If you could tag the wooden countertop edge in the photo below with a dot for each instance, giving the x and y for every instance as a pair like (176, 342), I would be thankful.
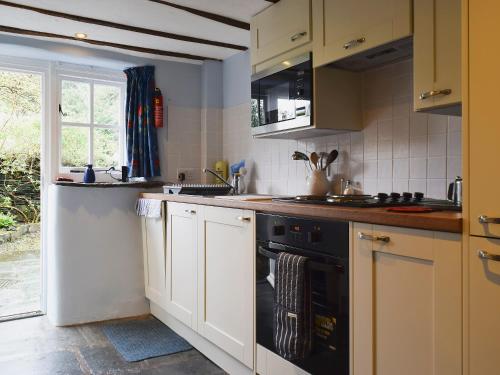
(441, 221)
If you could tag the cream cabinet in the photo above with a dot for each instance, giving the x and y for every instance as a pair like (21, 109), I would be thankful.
(406, 301)
(437, 56)
(483, 127)
(343, 28)
(153, 246)
(226, 280)
(484, 306)
(182, 247)
(281, 27)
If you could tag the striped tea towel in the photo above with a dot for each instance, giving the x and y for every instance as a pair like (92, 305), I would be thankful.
(292, 310)
(150, 208)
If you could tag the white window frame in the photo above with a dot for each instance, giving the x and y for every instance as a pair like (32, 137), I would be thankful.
(92, 77)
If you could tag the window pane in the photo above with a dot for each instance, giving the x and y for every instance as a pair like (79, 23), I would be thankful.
(106, 105)
(74, 146)
(106, 148)
(75, 102)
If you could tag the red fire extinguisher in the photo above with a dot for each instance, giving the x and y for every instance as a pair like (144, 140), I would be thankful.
(158, 108)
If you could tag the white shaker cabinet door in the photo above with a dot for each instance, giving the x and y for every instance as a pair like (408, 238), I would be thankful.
(226, 280)
(153, 239)
(181, 262)
(407, 301)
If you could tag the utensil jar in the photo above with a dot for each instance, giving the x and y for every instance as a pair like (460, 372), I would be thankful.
(317, 183)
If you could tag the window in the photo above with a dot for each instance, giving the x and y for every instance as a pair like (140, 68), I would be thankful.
(92, 120)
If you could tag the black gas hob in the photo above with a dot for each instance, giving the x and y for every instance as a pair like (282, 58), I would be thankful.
(379, 200)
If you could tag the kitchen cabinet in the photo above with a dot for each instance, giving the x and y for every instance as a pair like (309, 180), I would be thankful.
(181, 300)
(437, 56)
(406, 301)
(483, 130)
(484, 305)
(153, 240)
(226, 280)
(281, 27)
(344, 28)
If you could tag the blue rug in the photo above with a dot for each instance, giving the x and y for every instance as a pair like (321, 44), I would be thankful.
(137, 340)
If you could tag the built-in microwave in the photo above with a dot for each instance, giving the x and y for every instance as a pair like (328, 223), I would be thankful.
(282, 97)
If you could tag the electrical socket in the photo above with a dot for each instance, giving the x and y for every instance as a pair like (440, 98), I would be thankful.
(188, 174)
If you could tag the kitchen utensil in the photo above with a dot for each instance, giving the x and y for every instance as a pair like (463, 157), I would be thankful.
(314, 159)
(297, 155)
(332, 156)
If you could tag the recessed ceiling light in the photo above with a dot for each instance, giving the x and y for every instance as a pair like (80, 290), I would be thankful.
(81, 35)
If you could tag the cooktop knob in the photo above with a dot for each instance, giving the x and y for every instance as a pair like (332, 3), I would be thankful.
(407, 196)
(395, 196)
(382, 196)
(418, 196)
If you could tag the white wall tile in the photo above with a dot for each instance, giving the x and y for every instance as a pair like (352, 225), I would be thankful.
(397, 150)
(418, 168)
(436, 168)
(437, 145)
(418, 146)
(401, 168)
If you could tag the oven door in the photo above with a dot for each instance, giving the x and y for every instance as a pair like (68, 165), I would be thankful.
(329, 304)
(282, 97)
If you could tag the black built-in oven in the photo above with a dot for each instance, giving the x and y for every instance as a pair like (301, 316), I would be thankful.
(282, 96)
(326, 245)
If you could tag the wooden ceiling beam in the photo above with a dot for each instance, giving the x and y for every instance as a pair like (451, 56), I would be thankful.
(120, 26)
(211, 16)
(15, 30)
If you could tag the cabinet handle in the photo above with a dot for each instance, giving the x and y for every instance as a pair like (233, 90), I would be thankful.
(354, 43)
(483, 219)
(192, 212)
(487, 256)
(364, 236)
(294, 37)
(244, 218)
(430, 94)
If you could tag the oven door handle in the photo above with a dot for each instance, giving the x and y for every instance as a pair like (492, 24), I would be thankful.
(316, 266)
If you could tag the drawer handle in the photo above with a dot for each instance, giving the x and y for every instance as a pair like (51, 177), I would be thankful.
(364, 236)
(483, 219)
(294, 37)
(191, 212)
(244, 218)
(430, 94)
(354, 43)
(485, 255)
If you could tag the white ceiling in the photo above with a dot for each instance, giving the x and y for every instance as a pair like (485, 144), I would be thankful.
(145, 14)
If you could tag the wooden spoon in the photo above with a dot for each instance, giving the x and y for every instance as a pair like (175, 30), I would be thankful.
(331, 158)
(314, 159)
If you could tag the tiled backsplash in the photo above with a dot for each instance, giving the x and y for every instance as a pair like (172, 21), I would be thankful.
(397, 150)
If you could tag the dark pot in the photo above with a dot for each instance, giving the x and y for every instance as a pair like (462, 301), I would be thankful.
(89, 175)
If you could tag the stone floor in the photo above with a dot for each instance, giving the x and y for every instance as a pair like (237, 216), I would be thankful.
(20, 275)
(34, 347)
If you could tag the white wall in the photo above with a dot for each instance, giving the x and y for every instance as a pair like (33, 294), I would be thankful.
(95, 269)
(397, 150)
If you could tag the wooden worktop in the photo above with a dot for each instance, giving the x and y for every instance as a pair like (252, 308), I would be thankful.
(443, 221)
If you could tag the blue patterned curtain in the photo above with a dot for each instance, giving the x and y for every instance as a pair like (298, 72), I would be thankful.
(142, 142)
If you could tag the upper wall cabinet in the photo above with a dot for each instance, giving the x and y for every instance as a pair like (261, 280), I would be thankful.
(282, 27)
(436, 56)
(343, 28)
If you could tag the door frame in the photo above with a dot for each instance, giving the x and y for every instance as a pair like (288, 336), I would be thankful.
(43, 68)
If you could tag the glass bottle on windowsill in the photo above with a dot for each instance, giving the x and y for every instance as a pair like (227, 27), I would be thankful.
(89, 175)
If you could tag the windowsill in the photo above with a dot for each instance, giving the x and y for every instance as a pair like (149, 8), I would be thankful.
(116, 184)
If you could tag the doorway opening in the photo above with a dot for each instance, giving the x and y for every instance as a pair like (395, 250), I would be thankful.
(20, 199)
